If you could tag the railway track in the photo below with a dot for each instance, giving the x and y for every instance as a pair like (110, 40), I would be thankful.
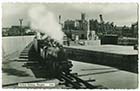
(73, 81)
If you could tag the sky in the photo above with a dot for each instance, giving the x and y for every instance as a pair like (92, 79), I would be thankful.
(119, 13)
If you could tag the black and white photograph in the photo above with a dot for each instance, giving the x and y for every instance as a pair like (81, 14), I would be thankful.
(69, 45)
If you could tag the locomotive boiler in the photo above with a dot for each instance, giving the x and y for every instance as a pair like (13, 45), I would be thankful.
(53, 56)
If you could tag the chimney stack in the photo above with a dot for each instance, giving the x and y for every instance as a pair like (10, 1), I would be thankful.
(20, 21)
(83, 16)
(101, 18)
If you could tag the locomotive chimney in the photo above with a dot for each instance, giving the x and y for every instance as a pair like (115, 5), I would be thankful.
(59, 19)
(101, 18)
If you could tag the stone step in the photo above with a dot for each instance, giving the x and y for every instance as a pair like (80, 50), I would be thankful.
(21, 60)
(23, 54)
(25, 57)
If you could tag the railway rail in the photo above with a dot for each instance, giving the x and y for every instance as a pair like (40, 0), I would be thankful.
(73, 81)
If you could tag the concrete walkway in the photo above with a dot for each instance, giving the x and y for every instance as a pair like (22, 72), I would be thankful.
(107, 76)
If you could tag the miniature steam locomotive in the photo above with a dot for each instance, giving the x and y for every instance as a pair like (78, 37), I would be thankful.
(52, 56)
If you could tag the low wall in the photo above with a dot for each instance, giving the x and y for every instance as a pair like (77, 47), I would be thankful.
(92, 42)
(13, 45)
(121, 61)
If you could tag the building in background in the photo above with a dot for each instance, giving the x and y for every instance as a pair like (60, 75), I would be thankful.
(17, 31)
(5, 31)
(74, 28)
(79, 27)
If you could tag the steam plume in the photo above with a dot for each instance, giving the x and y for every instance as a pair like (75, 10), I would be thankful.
(44, 21)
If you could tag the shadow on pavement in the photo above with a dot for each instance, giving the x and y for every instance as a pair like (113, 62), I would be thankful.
(12, 71)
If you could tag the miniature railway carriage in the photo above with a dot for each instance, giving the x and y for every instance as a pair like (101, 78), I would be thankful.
(53, 56)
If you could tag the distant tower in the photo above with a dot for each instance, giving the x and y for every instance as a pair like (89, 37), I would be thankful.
(83, 16)
(20, 21)
(101, 18)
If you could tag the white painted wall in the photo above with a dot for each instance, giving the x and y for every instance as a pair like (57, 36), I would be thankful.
(14, 44)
